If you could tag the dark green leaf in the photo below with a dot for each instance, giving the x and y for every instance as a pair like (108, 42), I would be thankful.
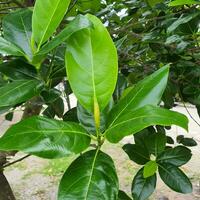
(189, 142)
(135, 121)
(18, 92)
(45, 138)
(9, 116)
(17, 29)
(175, 178)
(71, 115)
(137, 153)
(123, 196)
(142, 187)
(170, 140)
(18, 69)
(50, 96)
(155, 143)
(177, 156)
(91, 176)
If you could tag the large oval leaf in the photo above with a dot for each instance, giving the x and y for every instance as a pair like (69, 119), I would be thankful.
(148, 91)
(18, 92)
(91, 176)
(91, 61)
(45, 138)
(177, 156)
(47, 15)
(17, 29)
(175, 178)
(142, 187)
(7, 48)
(137, 120)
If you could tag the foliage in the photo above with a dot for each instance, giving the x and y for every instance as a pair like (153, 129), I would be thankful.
(113, 102)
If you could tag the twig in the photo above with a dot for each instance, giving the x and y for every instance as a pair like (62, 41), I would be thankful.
(14, 162)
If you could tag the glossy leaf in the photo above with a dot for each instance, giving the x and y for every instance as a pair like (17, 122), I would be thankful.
(134, 122)
(45, 138)
(123, 196)
(137, 153)
(91, 61)
(148, 91)
(17, 29)
(91, 176)
(18, 70)
(150, 169)
(177, 156)
(47, 15)
(18, 92)
(79, 23)
(7, 48)
(142, 187)
(87, 119)
(156, 143)
(175, 178)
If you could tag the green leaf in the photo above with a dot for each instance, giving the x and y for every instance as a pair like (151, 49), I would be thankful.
(137, 153)
(174, 178)
(87, 119)
(150, 169)
(142, 187)
(155, 143)
(137, 120)
(46, 18)
(18, 92)
(17, 29)
(148, 91)
(189, 142)
(91, 176)
(123, 196)
(18, 70)
(92, 68)
(181, 20)
(8, 48)
(152, 3)
(183, 2)
(177, 156)
(71, 115)
(79, 23)
(45, 138)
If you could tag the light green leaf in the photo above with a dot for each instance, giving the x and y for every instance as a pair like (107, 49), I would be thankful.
(149, 115)
(92, 176)
(18, 92)
(150, 169)
(9, 49)
(17, 30)
(91, 61)
(183, 2)
(45, 138)
(174, 178)
(47, 15)
(148, 91)
(79, 23)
